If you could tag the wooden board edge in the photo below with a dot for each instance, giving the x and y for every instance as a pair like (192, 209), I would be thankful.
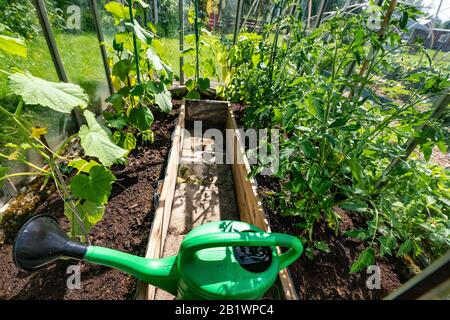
(158, 231)
(247, 188)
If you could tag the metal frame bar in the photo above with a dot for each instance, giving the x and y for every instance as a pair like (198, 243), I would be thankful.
(320, 12)
(429, 284)
(53, 49)
(155, 12)
(50, 39)
(237, 20)
(101, 41)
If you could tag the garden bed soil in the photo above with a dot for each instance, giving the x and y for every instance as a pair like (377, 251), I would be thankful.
(125, 226)
(328, 276)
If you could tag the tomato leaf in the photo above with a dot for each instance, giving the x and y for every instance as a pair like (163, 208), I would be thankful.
(365, 259)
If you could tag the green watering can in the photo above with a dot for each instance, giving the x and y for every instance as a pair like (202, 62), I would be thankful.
(217, 260)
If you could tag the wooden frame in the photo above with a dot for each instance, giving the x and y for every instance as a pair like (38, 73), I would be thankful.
(161, 220)
(249, 206)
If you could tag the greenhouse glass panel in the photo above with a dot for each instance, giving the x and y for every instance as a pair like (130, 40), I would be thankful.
(18, 19)
(73, 26)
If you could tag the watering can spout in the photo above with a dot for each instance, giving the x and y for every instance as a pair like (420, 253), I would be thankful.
(41, 241)
(161, 273)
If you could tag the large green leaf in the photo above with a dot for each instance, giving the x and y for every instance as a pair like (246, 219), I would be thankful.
(144, 35)
(158, 64)
(95, 187)
(97, 141)
(122, 68)
(124, 140)
(405, 248)
(118, 11)
(13, 46)
(355, 205)
(89, 212)
(164, 100)
(387, 243)
(62, 97)
(203, 84)
(141, 117)
(82, 165)
(308, 149)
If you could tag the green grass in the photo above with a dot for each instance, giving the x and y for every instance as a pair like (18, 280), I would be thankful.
(441, 60)
(82, 61)
(80, 55)
(81, 58)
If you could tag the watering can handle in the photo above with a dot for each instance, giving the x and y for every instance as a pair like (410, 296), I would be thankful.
(233, 239)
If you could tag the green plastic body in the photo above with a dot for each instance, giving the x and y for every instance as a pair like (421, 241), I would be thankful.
(205, 267)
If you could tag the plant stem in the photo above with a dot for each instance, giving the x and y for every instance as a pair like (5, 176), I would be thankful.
(20, 174)
(136, 52)
(19, 108)
(197, 43)
(60, 182)
(376, 224)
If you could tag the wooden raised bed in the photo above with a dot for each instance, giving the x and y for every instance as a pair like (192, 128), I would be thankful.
(215, 114)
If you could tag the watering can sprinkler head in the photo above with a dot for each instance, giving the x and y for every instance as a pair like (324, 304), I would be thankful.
(41, 241)
(217, 260)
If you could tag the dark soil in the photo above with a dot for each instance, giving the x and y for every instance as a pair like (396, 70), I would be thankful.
(328, 276)
(125, 226)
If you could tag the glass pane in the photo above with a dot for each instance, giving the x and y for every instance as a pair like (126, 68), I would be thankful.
(19, 20)
(73, 25)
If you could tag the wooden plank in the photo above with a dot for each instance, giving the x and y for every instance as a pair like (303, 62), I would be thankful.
(250, 207)
(211, 112)
(161, 221)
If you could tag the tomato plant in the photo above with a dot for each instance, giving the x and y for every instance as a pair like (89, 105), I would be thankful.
(339, 136)
(205, 52)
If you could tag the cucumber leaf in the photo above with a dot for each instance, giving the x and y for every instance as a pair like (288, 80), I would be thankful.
(13, 46)
(97, 141)
(58, 96)
(95, 187)
(141, 117)
(164, 100)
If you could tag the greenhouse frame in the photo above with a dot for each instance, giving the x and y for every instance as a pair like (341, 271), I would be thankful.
(225, 150)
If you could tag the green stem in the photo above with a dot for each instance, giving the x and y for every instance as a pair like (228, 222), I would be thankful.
(19, 108)
(197, 43)
(26, 132)
(21, 174)
(376, 224)
(136, 52)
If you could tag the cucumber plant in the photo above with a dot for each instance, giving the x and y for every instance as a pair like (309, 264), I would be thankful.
(84, 193)
(139, 75)
(204, 54)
